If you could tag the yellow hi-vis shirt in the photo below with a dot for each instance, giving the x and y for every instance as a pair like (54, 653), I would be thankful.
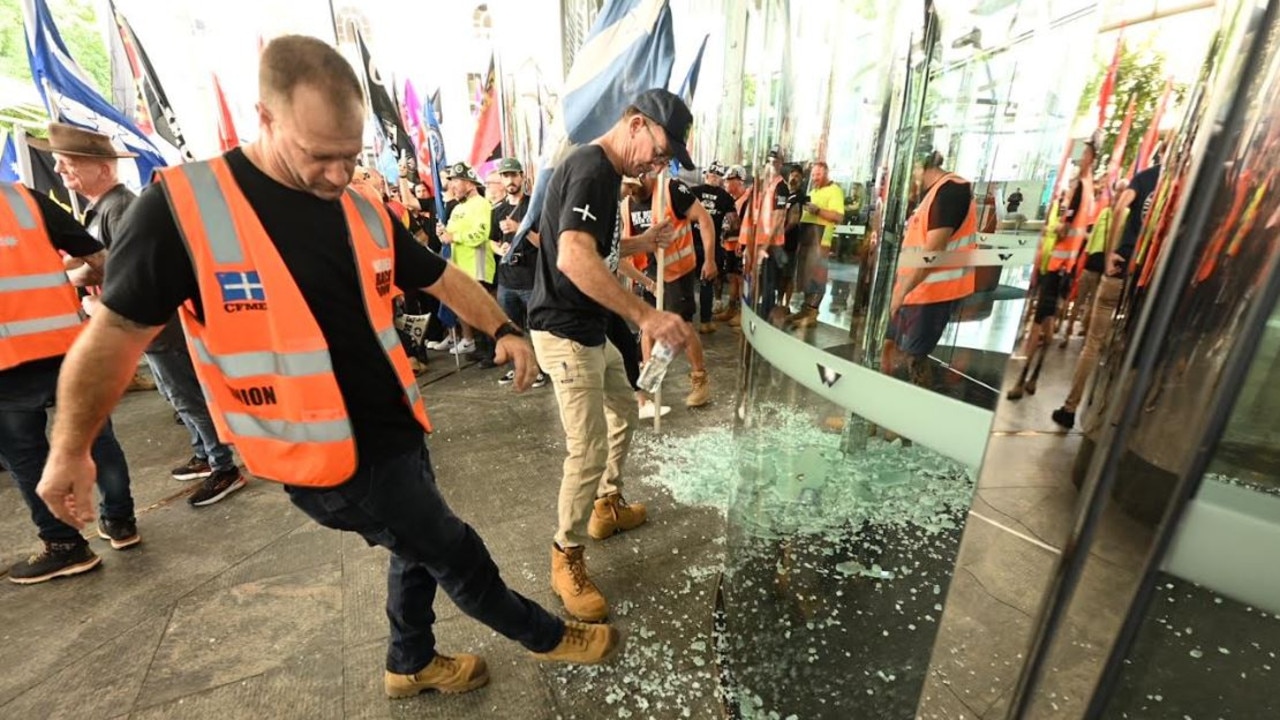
(829, 197)
(469, 226)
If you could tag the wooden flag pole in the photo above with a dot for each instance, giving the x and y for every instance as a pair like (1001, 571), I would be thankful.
(659, 213)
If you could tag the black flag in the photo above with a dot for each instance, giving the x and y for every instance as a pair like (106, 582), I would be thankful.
(384, 108)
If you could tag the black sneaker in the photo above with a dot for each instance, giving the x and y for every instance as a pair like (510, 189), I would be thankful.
(486, 363)
(507, 379)
(58, 559)
(123, 534)
(1065, 418)
(216, 487)
(194, 469)
(539, 381)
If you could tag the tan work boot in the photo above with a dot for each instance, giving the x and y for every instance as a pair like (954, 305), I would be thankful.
(806, 318)
(569, 581)
(613, 515)
(701, 393)
(445, 674)
(726, 314)
(706, 328)
(584, 644)
(140, 382)
(735, 320)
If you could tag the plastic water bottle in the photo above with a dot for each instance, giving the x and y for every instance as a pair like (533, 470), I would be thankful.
(659, 360)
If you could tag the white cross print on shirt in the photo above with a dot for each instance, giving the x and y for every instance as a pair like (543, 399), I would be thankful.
(586, 212)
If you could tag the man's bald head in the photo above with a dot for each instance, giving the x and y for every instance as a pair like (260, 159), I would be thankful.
(293, 61)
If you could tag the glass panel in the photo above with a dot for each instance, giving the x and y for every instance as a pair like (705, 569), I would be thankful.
(1215, 615)
(1202, 260)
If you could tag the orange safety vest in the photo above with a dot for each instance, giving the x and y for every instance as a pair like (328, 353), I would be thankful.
(731, 242)
(680, 259)
(40, 315)
(953, 279)
(771, 232)
(261, 359)
(1067, 247)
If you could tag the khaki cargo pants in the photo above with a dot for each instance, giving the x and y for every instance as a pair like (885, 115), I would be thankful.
(598, 411)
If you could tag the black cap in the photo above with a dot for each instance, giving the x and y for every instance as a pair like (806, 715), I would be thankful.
(669, 111)
(775, 153)
(716, 168)
(464, 171)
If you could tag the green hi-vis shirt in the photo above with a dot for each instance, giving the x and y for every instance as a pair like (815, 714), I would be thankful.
(1101, 229)
(469, 226)
(830, 197)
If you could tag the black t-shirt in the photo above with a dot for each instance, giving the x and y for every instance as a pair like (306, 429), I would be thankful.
(102, 219)
(518, 275)
(582, 196)
(951, 205)
(718, 203)
(69, 236)
(1143, 186)
(1014, 201)
(149, 274)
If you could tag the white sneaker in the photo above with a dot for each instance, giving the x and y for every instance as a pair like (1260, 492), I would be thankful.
(507, 379)
(646, 411)
(444, 344)
(539, 381)
(463, 347)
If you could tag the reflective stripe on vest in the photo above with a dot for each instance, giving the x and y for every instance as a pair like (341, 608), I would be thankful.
(18, 206)
(31, 327)
(963, 244)
(324, 431)
(249, 364)
(33, 282)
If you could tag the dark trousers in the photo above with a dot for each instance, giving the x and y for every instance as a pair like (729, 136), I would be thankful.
(176, 378)
(24, 448)
(396, 504)
(706, 290)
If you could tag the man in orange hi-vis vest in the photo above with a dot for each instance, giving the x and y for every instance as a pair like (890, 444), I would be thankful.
(40, 316)
(284, 282)
(927, 290)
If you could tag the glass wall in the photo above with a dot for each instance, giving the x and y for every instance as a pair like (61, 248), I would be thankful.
(857, 476)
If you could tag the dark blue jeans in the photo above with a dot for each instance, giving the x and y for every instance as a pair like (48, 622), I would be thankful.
(176, 378)
(396, 504)
(23, 446)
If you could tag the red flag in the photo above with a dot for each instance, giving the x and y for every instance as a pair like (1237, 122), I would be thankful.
(488, 140)
(1148, 147)
(1109, 82)
(227, 137)
(1122, 141)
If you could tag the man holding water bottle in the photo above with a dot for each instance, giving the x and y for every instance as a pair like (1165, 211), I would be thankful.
(574, 290)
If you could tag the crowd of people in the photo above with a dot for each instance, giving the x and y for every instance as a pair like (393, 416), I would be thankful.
(277, 293)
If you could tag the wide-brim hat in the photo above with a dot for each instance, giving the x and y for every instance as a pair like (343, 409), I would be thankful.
(463, 171)
(67, 139)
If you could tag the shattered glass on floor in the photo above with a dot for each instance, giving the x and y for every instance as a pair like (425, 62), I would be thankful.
(838, 561)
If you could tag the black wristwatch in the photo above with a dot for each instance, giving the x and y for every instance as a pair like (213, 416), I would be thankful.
(507, 328)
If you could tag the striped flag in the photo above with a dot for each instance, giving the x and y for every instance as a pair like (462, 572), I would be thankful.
(70, 97)
(151, 112)
(631, 48)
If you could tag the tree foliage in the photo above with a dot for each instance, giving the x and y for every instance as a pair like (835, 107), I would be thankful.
(1140, 78)
(81, 30)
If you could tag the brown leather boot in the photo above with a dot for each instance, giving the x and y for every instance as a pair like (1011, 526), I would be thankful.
(726, 314)
(445, 674)
(140, 382)
(613, 515)
(701, 393)
(569, 581)
(584, 644)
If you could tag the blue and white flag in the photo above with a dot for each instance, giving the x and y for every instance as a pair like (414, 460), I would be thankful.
(9, 162)
(631, 48)
(70, 97)
(688, 87)
(435, 143)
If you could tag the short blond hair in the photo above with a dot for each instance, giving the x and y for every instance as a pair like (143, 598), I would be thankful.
(293, 60)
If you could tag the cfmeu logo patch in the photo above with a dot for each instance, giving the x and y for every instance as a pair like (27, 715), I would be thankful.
(242, 291)
(828, 376)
